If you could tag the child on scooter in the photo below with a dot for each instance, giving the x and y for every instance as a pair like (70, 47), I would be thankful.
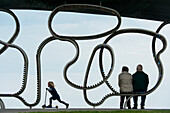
(54, 94)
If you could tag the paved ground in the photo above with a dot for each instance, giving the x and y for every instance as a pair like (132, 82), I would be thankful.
(56, 110)
(51, 110)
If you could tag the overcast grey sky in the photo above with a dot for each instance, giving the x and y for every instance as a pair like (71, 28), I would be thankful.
(129, 49)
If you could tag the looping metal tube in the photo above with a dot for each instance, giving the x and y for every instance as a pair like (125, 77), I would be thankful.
(101, 46)
(12, 39)
(156, 58)
(112, 33)
(25, 71)
(73, 7)
(2, 105)
(85, 87)
(154, 38)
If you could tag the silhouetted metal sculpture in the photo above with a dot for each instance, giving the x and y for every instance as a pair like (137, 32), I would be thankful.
(72, 39)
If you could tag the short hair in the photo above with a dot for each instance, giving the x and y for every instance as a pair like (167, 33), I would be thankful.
(139, 67)
(124, 68)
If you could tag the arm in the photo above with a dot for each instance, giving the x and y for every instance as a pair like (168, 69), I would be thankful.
(49, 89)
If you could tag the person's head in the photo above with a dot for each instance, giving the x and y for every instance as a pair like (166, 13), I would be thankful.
(124, 68)
(139, 67)
(50, 84)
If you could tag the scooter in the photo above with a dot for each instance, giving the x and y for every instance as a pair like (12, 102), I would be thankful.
(44, 106)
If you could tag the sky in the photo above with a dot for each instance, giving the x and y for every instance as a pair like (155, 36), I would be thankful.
(129, 50)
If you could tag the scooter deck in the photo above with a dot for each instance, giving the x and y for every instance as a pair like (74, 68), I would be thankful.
(46, 107)
(50, 108)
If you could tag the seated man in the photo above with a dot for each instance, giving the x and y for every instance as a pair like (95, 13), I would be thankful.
(125, 84)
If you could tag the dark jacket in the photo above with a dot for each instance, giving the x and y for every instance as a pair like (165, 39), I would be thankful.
(140, 81)
(53, 92)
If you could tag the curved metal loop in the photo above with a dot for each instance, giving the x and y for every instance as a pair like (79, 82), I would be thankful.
(25, 71)
(2, 105)
(12, 39)
(100, 46)
(154, 38)
(17, 95)
(157, 56)
(85, 87)
(158, 62)
(105, 78)
(112, 33)
(154, 55)
(38, 61)
(73, 7)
